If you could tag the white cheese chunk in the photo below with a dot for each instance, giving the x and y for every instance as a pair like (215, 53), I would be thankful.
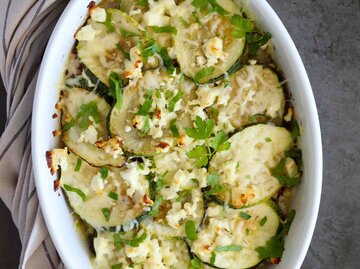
(98, 14)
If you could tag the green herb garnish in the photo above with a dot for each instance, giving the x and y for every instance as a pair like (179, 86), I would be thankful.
(190, 230)
(213, 258)
(228, 248)
(78, 165)
(196, 263)
(242, 25)
(142, 3)
(113, 195)
(182, 194)
(144, 109)
(75, 190)
(255, 41)
(245, 216)
(284, 180)
(104, 172)
(135, 242)
(155, 208)
(202, 130)
(127, 34)
(116, 89)
(87, 110)
(205, 72)
(167, 61)
(146, 128)
(268, 139)
(164, 29)
(263, 221)
(148, 50)
(117, 266)
(108, 23)
(106, 212)
(200, 153)
(125, 53)
(173, 128)
(174, 100)
(220, 143)
(68, 125)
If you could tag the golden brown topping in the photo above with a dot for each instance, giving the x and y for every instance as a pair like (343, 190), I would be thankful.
(56, 133)
(162, 145)
(56, 184)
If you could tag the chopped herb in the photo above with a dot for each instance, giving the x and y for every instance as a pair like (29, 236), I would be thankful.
(116, 89)
(75, 190)
(214, 112)
(125, 53)
(158, 93)
(245, 216)
(213, 258)
(113, 195)
(169, 94)
(190, 230)
(205, 72)
(144, 109)
(226, 83)
(173, 128)
(155, 208)
(68, 125)
(228, 248)
(196, 181)
(106, 212)
(184, 22)
(274, 248)
(146, 128)
(183, 194)
(164, 29)
(78, 165)
(287, 224)
(295, 130)
(108, 23)
(117, 266)
(247, 231)
(213, 179)
(215, 189)
(142, 3)
(127, 34)
(243, 26)
(263, 221)
(268, 139)
(202, 130)
(284, 180)
(87, 110)
(200, 153)
(220, 143)
(217, 8)
(200, 4)
(104, 172)
(135, 242)
(255, 41)
(174, 100)
(167, 61)
(196, 263)
(148, 50)
(141, 166)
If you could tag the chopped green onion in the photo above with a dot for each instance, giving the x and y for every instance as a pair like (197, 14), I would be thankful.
(75, 190)
(190, 230)
(78, 165)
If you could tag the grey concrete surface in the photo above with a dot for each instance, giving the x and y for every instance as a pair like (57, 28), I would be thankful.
(327, 34)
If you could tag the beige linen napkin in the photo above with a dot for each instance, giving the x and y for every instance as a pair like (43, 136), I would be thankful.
(25, 27)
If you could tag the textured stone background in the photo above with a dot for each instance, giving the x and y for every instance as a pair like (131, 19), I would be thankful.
(327, 34)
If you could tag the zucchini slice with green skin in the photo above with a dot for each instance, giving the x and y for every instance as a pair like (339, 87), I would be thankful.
(149, 107)
(103, 197)
(90, 141)
(233, 236)
(139, 249)
(207, 44)
(246, 168)
(104, 45)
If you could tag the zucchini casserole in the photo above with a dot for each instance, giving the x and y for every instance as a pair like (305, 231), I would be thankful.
(180, 140)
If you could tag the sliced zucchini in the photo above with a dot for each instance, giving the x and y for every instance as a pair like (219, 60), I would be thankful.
(150, 252)
(89, 141)
(103, 197)
(246, 168)
(230, 237)
(206, 48)
(255, 90)
(149, 107)
(104, 44)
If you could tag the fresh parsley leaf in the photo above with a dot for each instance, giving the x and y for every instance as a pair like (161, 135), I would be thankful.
(255, 41)
(196, 263)
(217, 8)
(287, 224)
(75, 190)
(117, 266)
(127, 34)
(106, 212)
(167, 61)
(68, 125)
(245, 215)
(244, 24)
(173, 128)
(295, 130)
(113, 195)
(200, 153)
(155, 208)
(108, 23)
(184, 22)
(219, 142)
(78, 165)
(146, 128)
(144, 109)
(274, 248)
(116, 89)
(214, 112)
(213, 179)
(125, 53)
(203, 73)
(142, 3)
(202, 130)
(190, 230)
(263, 221)
(174, 100)
(135, 242)
(148, 50)
(215, 189)
(104, 171)
(200, 4)
(182, 194)
(87, 110)
(285, 180)
(164, 29)
(213, 258)
(228, 248)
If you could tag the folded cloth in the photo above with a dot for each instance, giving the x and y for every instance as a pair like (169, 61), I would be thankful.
(25, 27)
